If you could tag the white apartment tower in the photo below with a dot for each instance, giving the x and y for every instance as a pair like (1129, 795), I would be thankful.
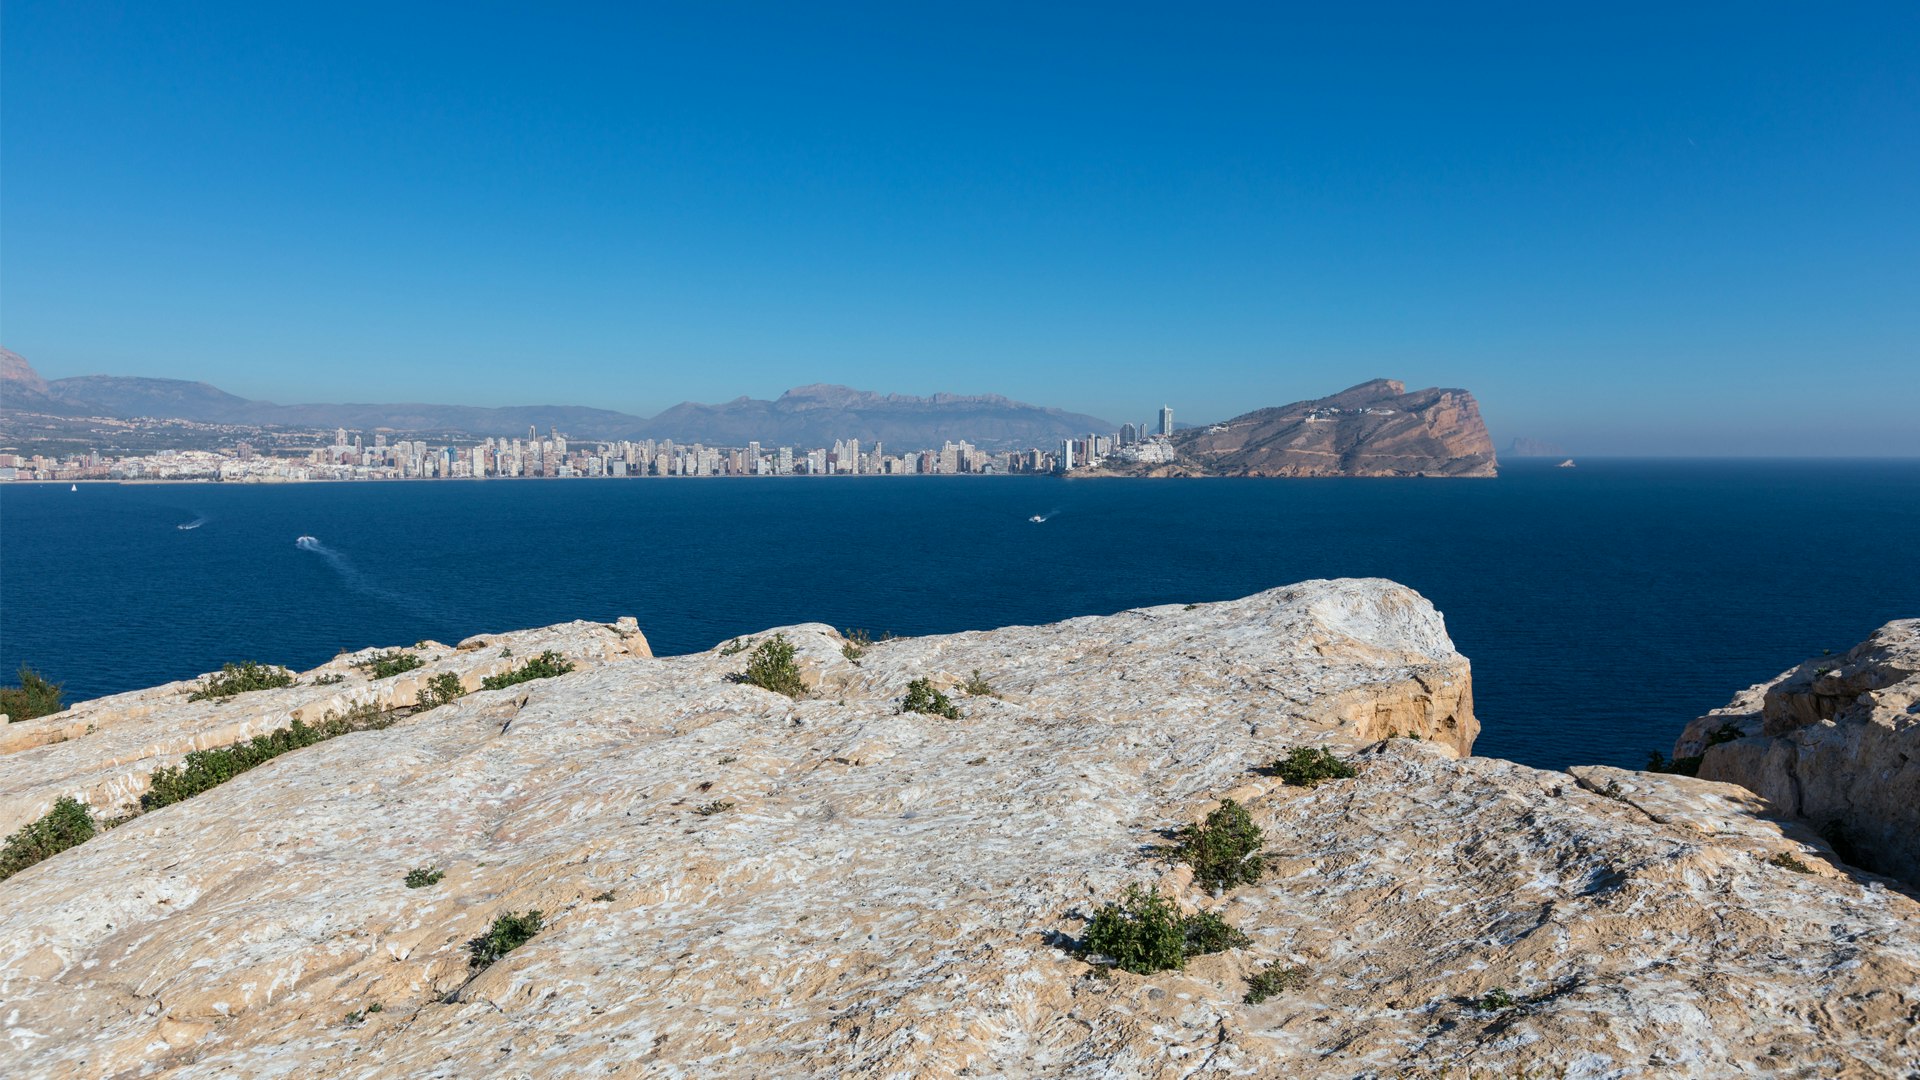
(1166, 421)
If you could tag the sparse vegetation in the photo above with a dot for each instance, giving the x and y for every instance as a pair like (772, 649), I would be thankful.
(547, 665)
(332, 678)
(388, 664)
(712, 808)
(1309, 766)
(1145, 933)
(1207, 933)
(728, 759)
(978, 686)
(421, 877)
(440, 690)
(242, 678)
(922, 697)
(1224, 849)
(1274, 978)
(771, 667)
(1496, 1000)
(204, 769)
(605, 897)
(858, 642)
(33, 698)
(69, 823)
(1785, 860)
(508, 932)
(1690, 765)
(733, 647)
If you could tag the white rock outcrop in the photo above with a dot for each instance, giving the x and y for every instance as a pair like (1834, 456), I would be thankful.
(896, 895)
(1836, 741)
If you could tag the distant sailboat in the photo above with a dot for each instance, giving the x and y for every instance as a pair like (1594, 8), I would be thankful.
(1567, 464)
(73, 487)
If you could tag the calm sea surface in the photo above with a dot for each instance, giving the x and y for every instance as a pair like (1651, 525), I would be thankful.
(1602, 606)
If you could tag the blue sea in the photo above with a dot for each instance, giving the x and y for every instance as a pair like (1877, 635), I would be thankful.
(1602, 606)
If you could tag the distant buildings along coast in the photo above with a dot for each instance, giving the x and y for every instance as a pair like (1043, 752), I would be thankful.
(377, 455)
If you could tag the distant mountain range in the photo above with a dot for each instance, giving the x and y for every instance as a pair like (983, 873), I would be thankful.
(813, 415)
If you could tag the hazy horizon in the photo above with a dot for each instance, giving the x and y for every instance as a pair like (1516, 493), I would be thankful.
(1637, 231)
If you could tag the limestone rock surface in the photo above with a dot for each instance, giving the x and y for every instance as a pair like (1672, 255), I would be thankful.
(736, 884)
(1836, 741)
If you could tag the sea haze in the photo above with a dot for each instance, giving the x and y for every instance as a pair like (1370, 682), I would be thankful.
(1602, 606)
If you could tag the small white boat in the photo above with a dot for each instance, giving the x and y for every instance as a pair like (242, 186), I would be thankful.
(73, 487)
(307, 541)
(1036, 519)
(1567, 464)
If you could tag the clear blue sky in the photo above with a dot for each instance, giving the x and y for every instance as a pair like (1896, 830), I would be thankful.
(1665, 229)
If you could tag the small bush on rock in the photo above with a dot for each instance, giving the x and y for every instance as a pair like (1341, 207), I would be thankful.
(442, 689)
(547, 665)
(858, 642)
(923, 698)
(1273, 979)
(508, 932)
(204, 769)
(34, 697)
(1207, 933)
(1308, 766)
(978, 686)
(69, 823)
(771, 667)
(422, 877)
(388, 664)
(1223, 850)
(1785, 860)
(1145, 933)
(242, 678)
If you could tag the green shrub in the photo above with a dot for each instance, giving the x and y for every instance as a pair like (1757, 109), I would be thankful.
(67, 824)
(1145, 933)
(1208, 933)
(923, 698)
(978, 686)
(1306, 767)
(1224, 850)
(771, 667)
(388, 664)
(508, 932)
(712, 808)
(204, 769)
(858, 642)
(440, 690)
(733, 647)
(332, 678)
(1785, 860)
(1272, 979)
(34, 697)
(1496, 1000)
(422, 877)
(241, 678)
(545, 666)
(1690, 765)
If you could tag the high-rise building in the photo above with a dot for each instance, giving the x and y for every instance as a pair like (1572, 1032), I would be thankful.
(1166, 421)
(1066, 456)
(1127, 435)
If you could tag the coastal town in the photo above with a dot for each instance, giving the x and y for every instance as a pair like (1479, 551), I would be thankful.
(381, 456)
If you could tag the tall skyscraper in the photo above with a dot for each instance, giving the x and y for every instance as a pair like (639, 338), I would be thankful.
(1166, 421)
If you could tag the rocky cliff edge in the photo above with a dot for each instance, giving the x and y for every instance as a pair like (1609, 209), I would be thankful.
(734, 883)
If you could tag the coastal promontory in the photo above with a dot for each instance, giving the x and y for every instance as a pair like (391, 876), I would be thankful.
(1377, 428)
(798, 854)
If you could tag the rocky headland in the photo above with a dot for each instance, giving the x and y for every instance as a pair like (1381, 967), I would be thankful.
(1378, 428)
(1835, 741)
(735, 882)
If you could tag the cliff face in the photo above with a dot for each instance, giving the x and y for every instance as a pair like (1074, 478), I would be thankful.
(1836, 741)
(739, 884)
(1375, 429)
